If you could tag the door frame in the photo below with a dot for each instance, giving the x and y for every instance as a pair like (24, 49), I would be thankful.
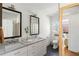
(61, 12)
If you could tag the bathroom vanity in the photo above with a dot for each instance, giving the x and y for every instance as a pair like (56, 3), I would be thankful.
(12, 26)
(32, 47)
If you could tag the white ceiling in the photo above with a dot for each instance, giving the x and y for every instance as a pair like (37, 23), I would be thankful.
(49, 8)
(34, 7)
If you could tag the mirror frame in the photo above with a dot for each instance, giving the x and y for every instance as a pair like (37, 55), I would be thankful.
(61, 12)
(30, 25)
(20, 22)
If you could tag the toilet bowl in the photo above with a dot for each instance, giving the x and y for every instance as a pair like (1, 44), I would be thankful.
(55, 42)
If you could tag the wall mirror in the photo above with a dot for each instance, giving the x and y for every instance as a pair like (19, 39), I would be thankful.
(70, 26)
(34, 25)
(11, 23)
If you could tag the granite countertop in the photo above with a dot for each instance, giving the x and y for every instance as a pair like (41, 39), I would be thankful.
(5, 48)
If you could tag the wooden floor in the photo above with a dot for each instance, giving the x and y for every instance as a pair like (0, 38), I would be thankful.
(69, 53)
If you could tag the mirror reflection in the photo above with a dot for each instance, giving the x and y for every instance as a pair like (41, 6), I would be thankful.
(10, 23)
(70, 25)
(34, 25)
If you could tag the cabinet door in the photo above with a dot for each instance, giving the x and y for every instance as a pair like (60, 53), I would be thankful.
(22, 52)
(41, 48)
(19, 52)
(32, 50)
(38, 48)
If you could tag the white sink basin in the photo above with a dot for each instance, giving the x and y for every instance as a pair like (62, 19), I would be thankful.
(29, 41)
(26, 42)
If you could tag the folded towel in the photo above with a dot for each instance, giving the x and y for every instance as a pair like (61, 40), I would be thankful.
(1, 35)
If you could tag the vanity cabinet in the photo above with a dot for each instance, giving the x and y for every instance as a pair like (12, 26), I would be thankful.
(34, 49)
(18, 52)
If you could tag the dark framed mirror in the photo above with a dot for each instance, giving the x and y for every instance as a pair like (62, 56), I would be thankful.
(34, 25)
(11, 23)
(0, 14)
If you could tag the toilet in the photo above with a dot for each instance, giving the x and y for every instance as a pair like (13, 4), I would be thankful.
(55, 44)
(55, 40)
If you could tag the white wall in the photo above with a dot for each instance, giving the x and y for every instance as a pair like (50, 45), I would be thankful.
(54, 26)
(45, 21)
